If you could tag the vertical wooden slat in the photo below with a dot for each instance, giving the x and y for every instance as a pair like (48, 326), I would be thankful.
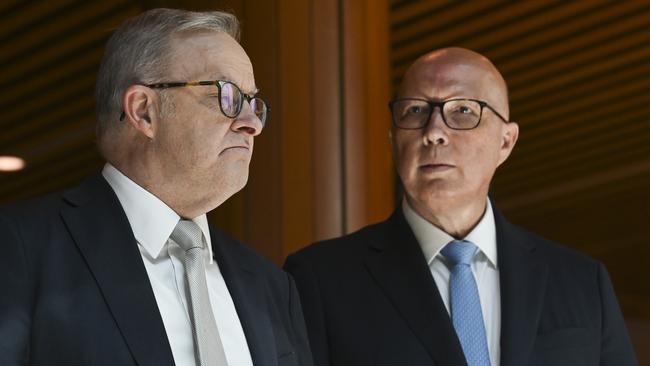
(380, 171)
(326, 118)
(354, 114)
(368, 165)
(295, 59)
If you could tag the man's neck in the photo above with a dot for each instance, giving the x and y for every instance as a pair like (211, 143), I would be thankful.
(147, 179)
(455, 220)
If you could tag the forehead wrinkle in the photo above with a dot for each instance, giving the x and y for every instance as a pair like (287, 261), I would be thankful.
(225, 59)
(242, 81)
(440, 87)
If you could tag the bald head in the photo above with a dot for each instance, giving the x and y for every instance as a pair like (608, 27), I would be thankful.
(446, 171)
(456, 73)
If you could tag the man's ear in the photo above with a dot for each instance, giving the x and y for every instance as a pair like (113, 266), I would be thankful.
(140, 109)
(508, 140)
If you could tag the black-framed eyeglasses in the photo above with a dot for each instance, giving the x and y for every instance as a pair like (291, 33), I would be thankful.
(457, 114)
(231, 98)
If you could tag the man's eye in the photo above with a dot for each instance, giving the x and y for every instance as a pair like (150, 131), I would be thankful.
(416, 109)
(465, 110)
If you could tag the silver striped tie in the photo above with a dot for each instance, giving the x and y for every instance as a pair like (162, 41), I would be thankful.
(208, 349)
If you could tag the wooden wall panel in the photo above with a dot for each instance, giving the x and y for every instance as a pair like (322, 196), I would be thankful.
(328, 186)
(369, 176)
(49, 59)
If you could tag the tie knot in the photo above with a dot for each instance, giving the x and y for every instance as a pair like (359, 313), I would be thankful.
(187, 234)
(459, 252)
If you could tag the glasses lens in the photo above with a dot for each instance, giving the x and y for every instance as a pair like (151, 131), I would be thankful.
(462, 114)
(410, 114)
(230, 99)
(259, 108)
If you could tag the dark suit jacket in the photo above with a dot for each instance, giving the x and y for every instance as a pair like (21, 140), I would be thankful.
(74, 289)
(369, 299)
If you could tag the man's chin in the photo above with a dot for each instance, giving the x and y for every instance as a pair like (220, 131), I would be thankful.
(222, 188)
(235, 184)
(439, 194)
(440, 188)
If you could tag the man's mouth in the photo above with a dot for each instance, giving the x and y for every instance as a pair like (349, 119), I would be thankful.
(436, 167)
(241, 148)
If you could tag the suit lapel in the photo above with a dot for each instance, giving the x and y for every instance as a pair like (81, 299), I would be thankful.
(247, 290)
(103, 235)
(523, 275)
(398, 265)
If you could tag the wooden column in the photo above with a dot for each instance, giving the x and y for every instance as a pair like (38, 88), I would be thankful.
(368, 167)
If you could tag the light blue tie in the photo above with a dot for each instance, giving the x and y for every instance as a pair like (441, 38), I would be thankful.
(465, 303)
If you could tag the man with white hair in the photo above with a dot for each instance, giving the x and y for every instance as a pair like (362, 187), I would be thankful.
(124, 268)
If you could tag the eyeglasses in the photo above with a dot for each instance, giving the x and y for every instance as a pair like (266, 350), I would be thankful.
(231, 98)
(457, 114)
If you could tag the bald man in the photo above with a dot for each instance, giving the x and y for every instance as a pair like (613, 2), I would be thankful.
(446, 280)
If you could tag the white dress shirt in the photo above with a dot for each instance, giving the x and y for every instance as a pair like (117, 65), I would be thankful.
(152, 222)
(484, 267)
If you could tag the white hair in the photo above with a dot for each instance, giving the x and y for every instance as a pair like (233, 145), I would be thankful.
(138, 52)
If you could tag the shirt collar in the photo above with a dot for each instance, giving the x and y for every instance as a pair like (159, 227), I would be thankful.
(151, 220)
(432, 239)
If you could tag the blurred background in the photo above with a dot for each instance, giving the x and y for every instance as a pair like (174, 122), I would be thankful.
(579, 78)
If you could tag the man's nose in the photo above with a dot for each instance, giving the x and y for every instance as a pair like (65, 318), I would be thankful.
(247, 121)
(435, 131)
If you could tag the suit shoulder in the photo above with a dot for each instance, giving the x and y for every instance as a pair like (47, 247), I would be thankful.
(33, 210)
(559, 254)
(337, 249)
(244, 252)
(277, 281)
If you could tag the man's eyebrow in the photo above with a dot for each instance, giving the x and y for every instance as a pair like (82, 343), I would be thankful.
(223, 78)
